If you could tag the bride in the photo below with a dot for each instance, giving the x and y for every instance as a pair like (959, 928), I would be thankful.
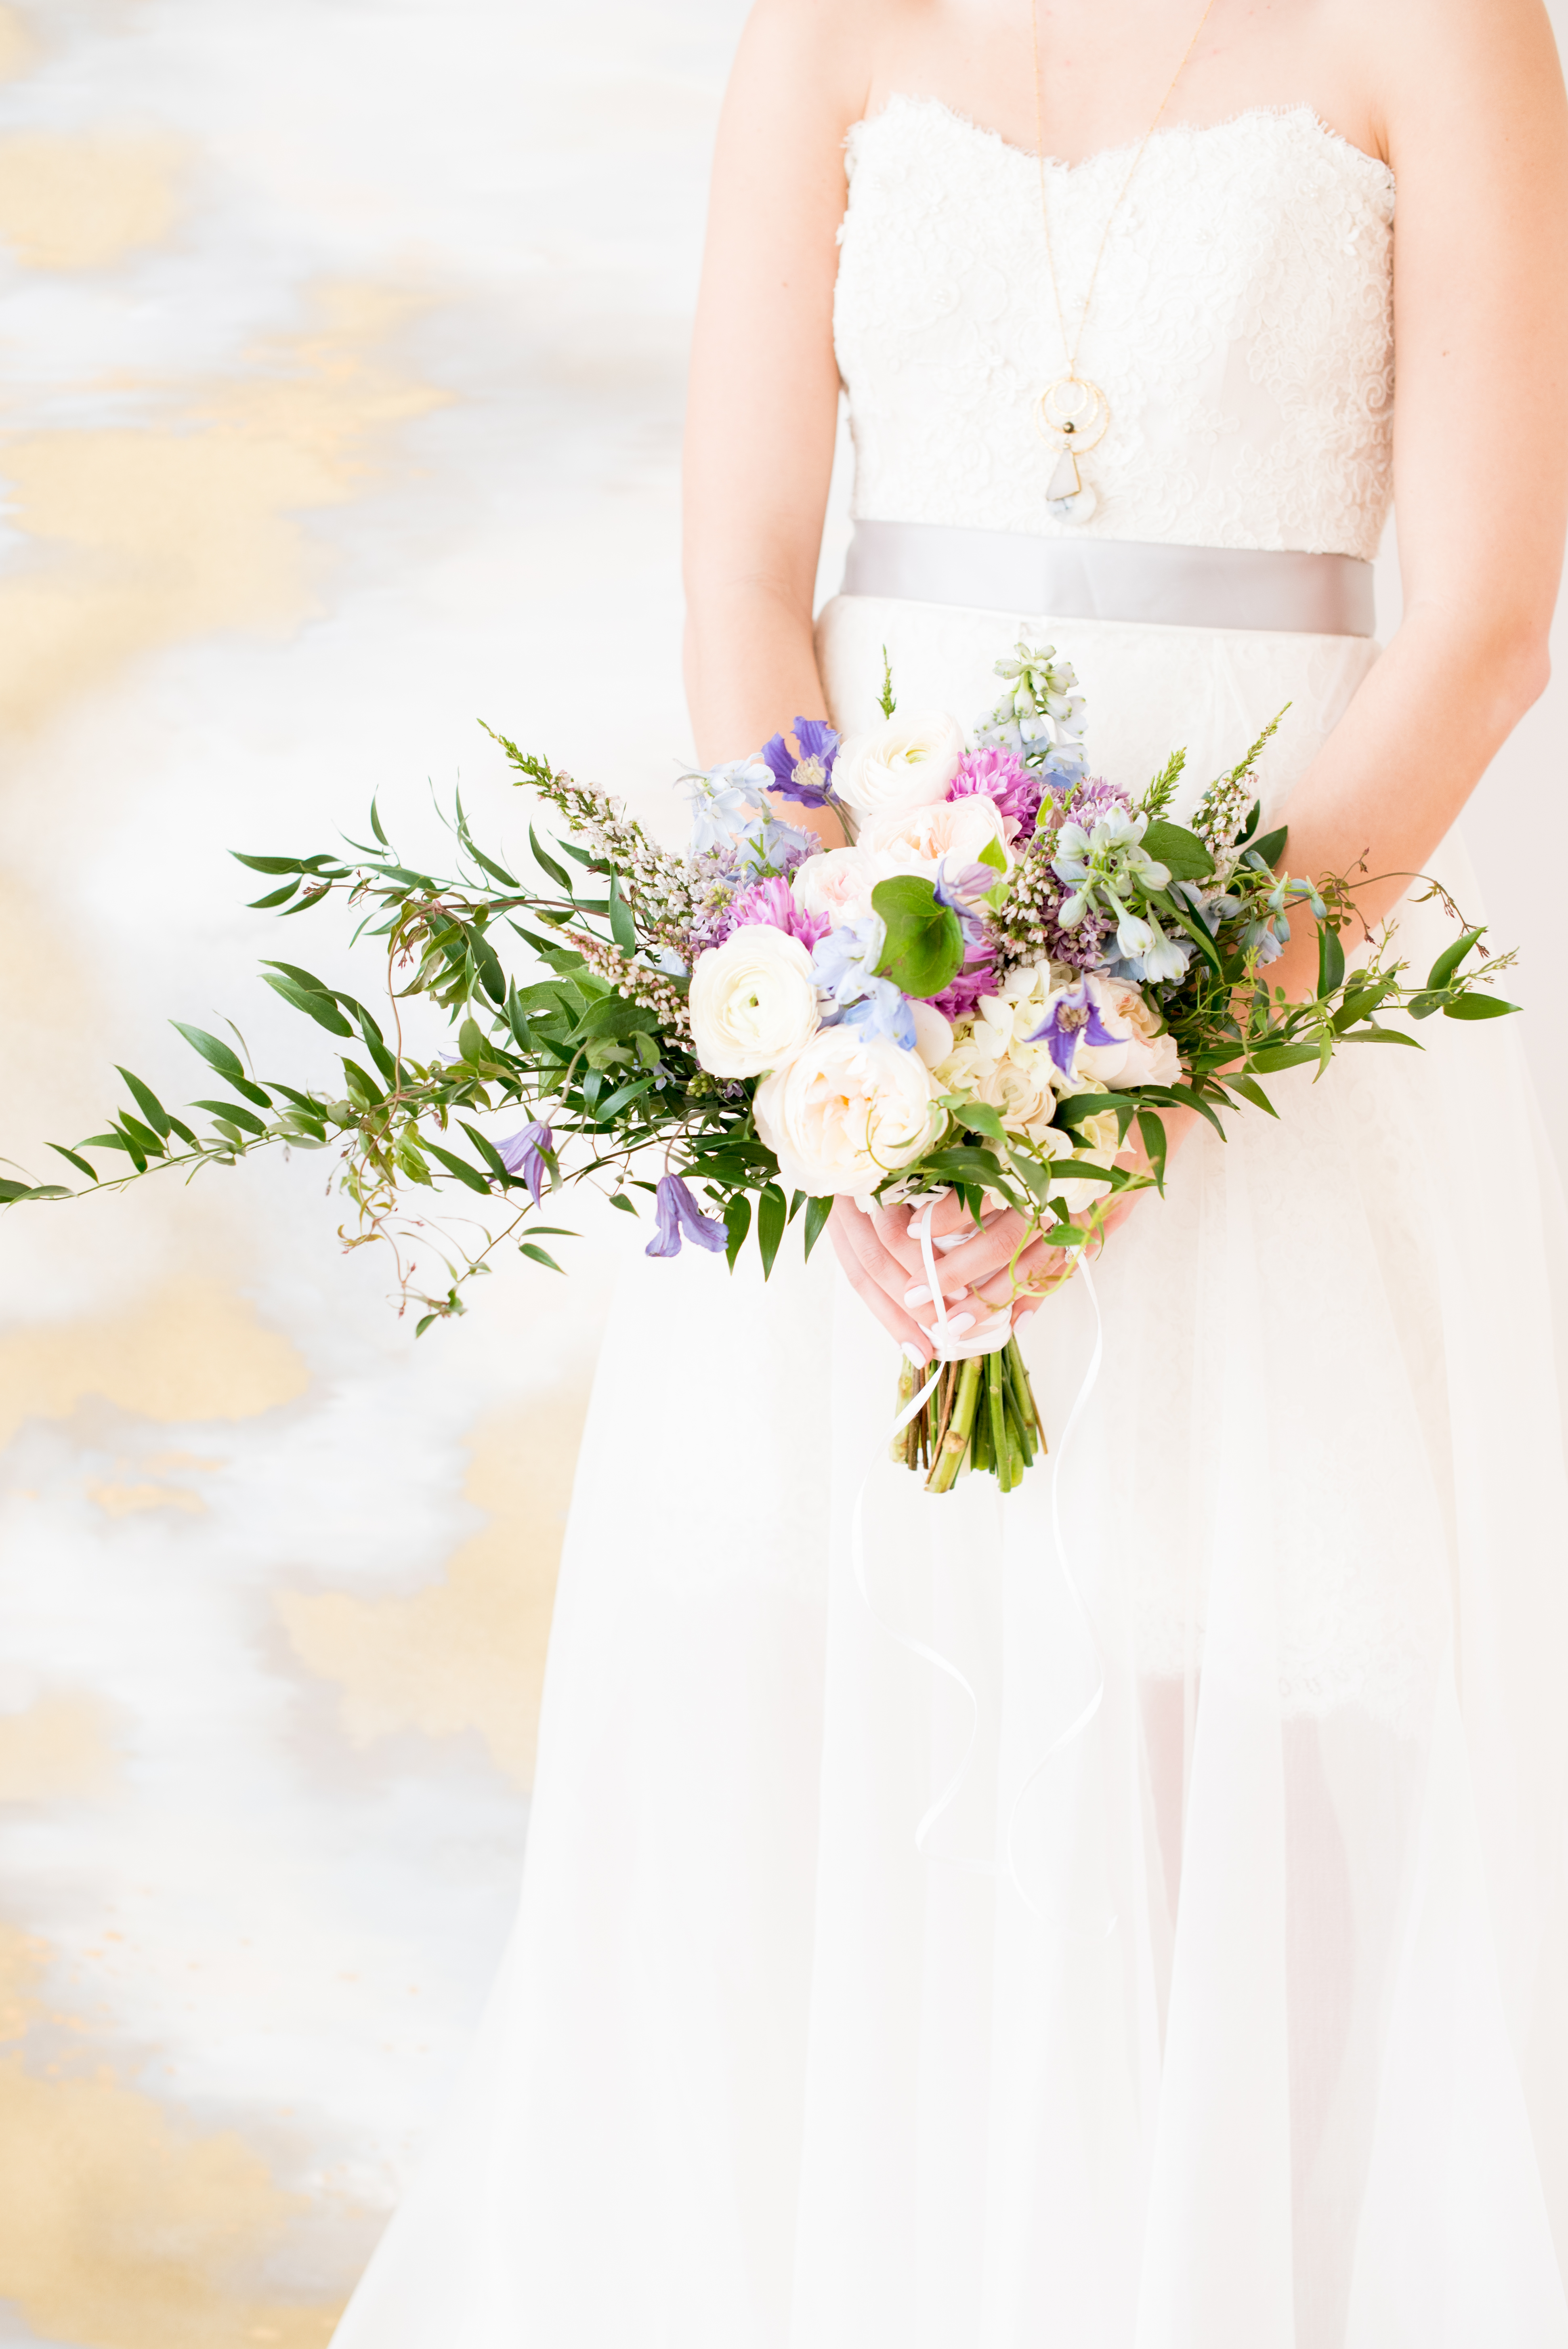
(1224, 2003)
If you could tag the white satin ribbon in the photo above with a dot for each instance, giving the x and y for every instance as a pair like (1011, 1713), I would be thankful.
(946, 1351)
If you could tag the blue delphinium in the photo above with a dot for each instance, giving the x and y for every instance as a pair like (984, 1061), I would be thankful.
(844, 967)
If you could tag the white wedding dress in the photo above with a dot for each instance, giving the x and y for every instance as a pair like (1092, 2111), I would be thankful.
(1235, 2016)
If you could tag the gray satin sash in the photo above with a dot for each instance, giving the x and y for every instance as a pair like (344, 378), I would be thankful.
(1112, 579)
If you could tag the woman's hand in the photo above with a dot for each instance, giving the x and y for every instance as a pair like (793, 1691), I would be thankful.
(999, 1265)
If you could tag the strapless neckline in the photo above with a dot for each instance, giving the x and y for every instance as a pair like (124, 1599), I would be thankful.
(1301, 114)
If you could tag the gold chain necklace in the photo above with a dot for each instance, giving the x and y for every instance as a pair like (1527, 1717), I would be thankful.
(1073, 412)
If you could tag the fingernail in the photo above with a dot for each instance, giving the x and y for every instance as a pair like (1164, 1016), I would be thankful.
(917, 1295)
(960, 1322)
(952, 1240)
(912, 1354)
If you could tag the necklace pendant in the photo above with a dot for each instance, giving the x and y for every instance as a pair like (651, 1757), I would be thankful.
(1074, 415)
(1065, 483)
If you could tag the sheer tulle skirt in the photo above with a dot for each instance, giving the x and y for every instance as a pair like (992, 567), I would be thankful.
(1237, 2017)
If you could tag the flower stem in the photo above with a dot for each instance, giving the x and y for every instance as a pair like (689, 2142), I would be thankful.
(961, 1421)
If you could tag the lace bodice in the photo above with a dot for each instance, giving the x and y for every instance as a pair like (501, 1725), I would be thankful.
(1240, 327)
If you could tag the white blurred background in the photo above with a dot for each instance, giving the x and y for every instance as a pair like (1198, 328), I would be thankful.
(343, 345)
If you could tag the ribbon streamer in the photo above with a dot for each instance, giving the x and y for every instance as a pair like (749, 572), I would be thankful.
(928, 1655)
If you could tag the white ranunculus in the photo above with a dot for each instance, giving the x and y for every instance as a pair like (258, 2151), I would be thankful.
(904, 763)
(838, 883)
(753, 1002)
(916, 838)
(844, 1111)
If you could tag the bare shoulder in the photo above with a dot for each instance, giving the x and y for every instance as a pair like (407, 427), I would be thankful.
(1478, 82)
(819, 57)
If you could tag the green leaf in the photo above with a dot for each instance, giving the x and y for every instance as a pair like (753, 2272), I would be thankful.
(1282, 1056)
(1330, 959)
(981, 1118)
(613, 1016)
(11, 1192)
(375, 827)
(143, 1135)
(924, 947)
(1152, 1127)
(148, 1102)
(228, 1064)
(232, 1110)
(1271, 847)
(1254, 817)
(72, 1159)
(424, 1322)
(1181, 849)
(1477, 1007)
(274, 897)
(1385, 1036)
(459, 1168)
(620, 1097)
(547, 863)
(268, 863)
(771, 1215)
(316, 1006)
(619, 1199)
(1250, 1089)
(816, 1214)
(1448, 961)
(488, 1151)
(472, 1043)
(738, 1223)
(623, 929)
(540, 1255)
(492, 979)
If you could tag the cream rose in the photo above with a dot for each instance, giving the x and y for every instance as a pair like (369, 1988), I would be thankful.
(843, 1113)
(1151, 1058)
(753, 1002)
(916, 838)
(838, 883)
(904, 763)
(1096, 1140)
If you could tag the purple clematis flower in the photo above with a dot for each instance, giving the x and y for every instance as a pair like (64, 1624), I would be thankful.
(808, 776)
(1073, 1019)
(680, 1218)
(770, 904)
(521, 1155)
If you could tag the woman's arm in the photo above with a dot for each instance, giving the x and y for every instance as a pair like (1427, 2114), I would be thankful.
(762, 409)
(1476, 127)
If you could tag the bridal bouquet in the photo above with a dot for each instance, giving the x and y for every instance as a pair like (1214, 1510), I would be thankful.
(1010, 968)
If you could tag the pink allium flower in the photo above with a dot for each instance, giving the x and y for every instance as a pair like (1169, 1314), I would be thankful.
(771, 904)
(1002, 776)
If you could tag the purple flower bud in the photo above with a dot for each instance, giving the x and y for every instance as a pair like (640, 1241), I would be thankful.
(522, 1154)
(680, 1218)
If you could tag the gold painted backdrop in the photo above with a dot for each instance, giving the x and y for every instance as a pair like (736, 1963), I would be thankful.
(341, 352)
(341, 357)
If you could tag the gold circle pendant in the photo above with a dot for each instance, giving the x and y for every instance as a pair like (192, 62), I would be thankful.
(1074, 414)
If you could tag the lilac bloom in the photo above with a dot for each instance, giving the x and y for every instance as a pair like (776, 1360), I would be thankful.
(522, 1155)
(1073, 1019)
(770, 904)
(680, 1218)
(806, 776)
